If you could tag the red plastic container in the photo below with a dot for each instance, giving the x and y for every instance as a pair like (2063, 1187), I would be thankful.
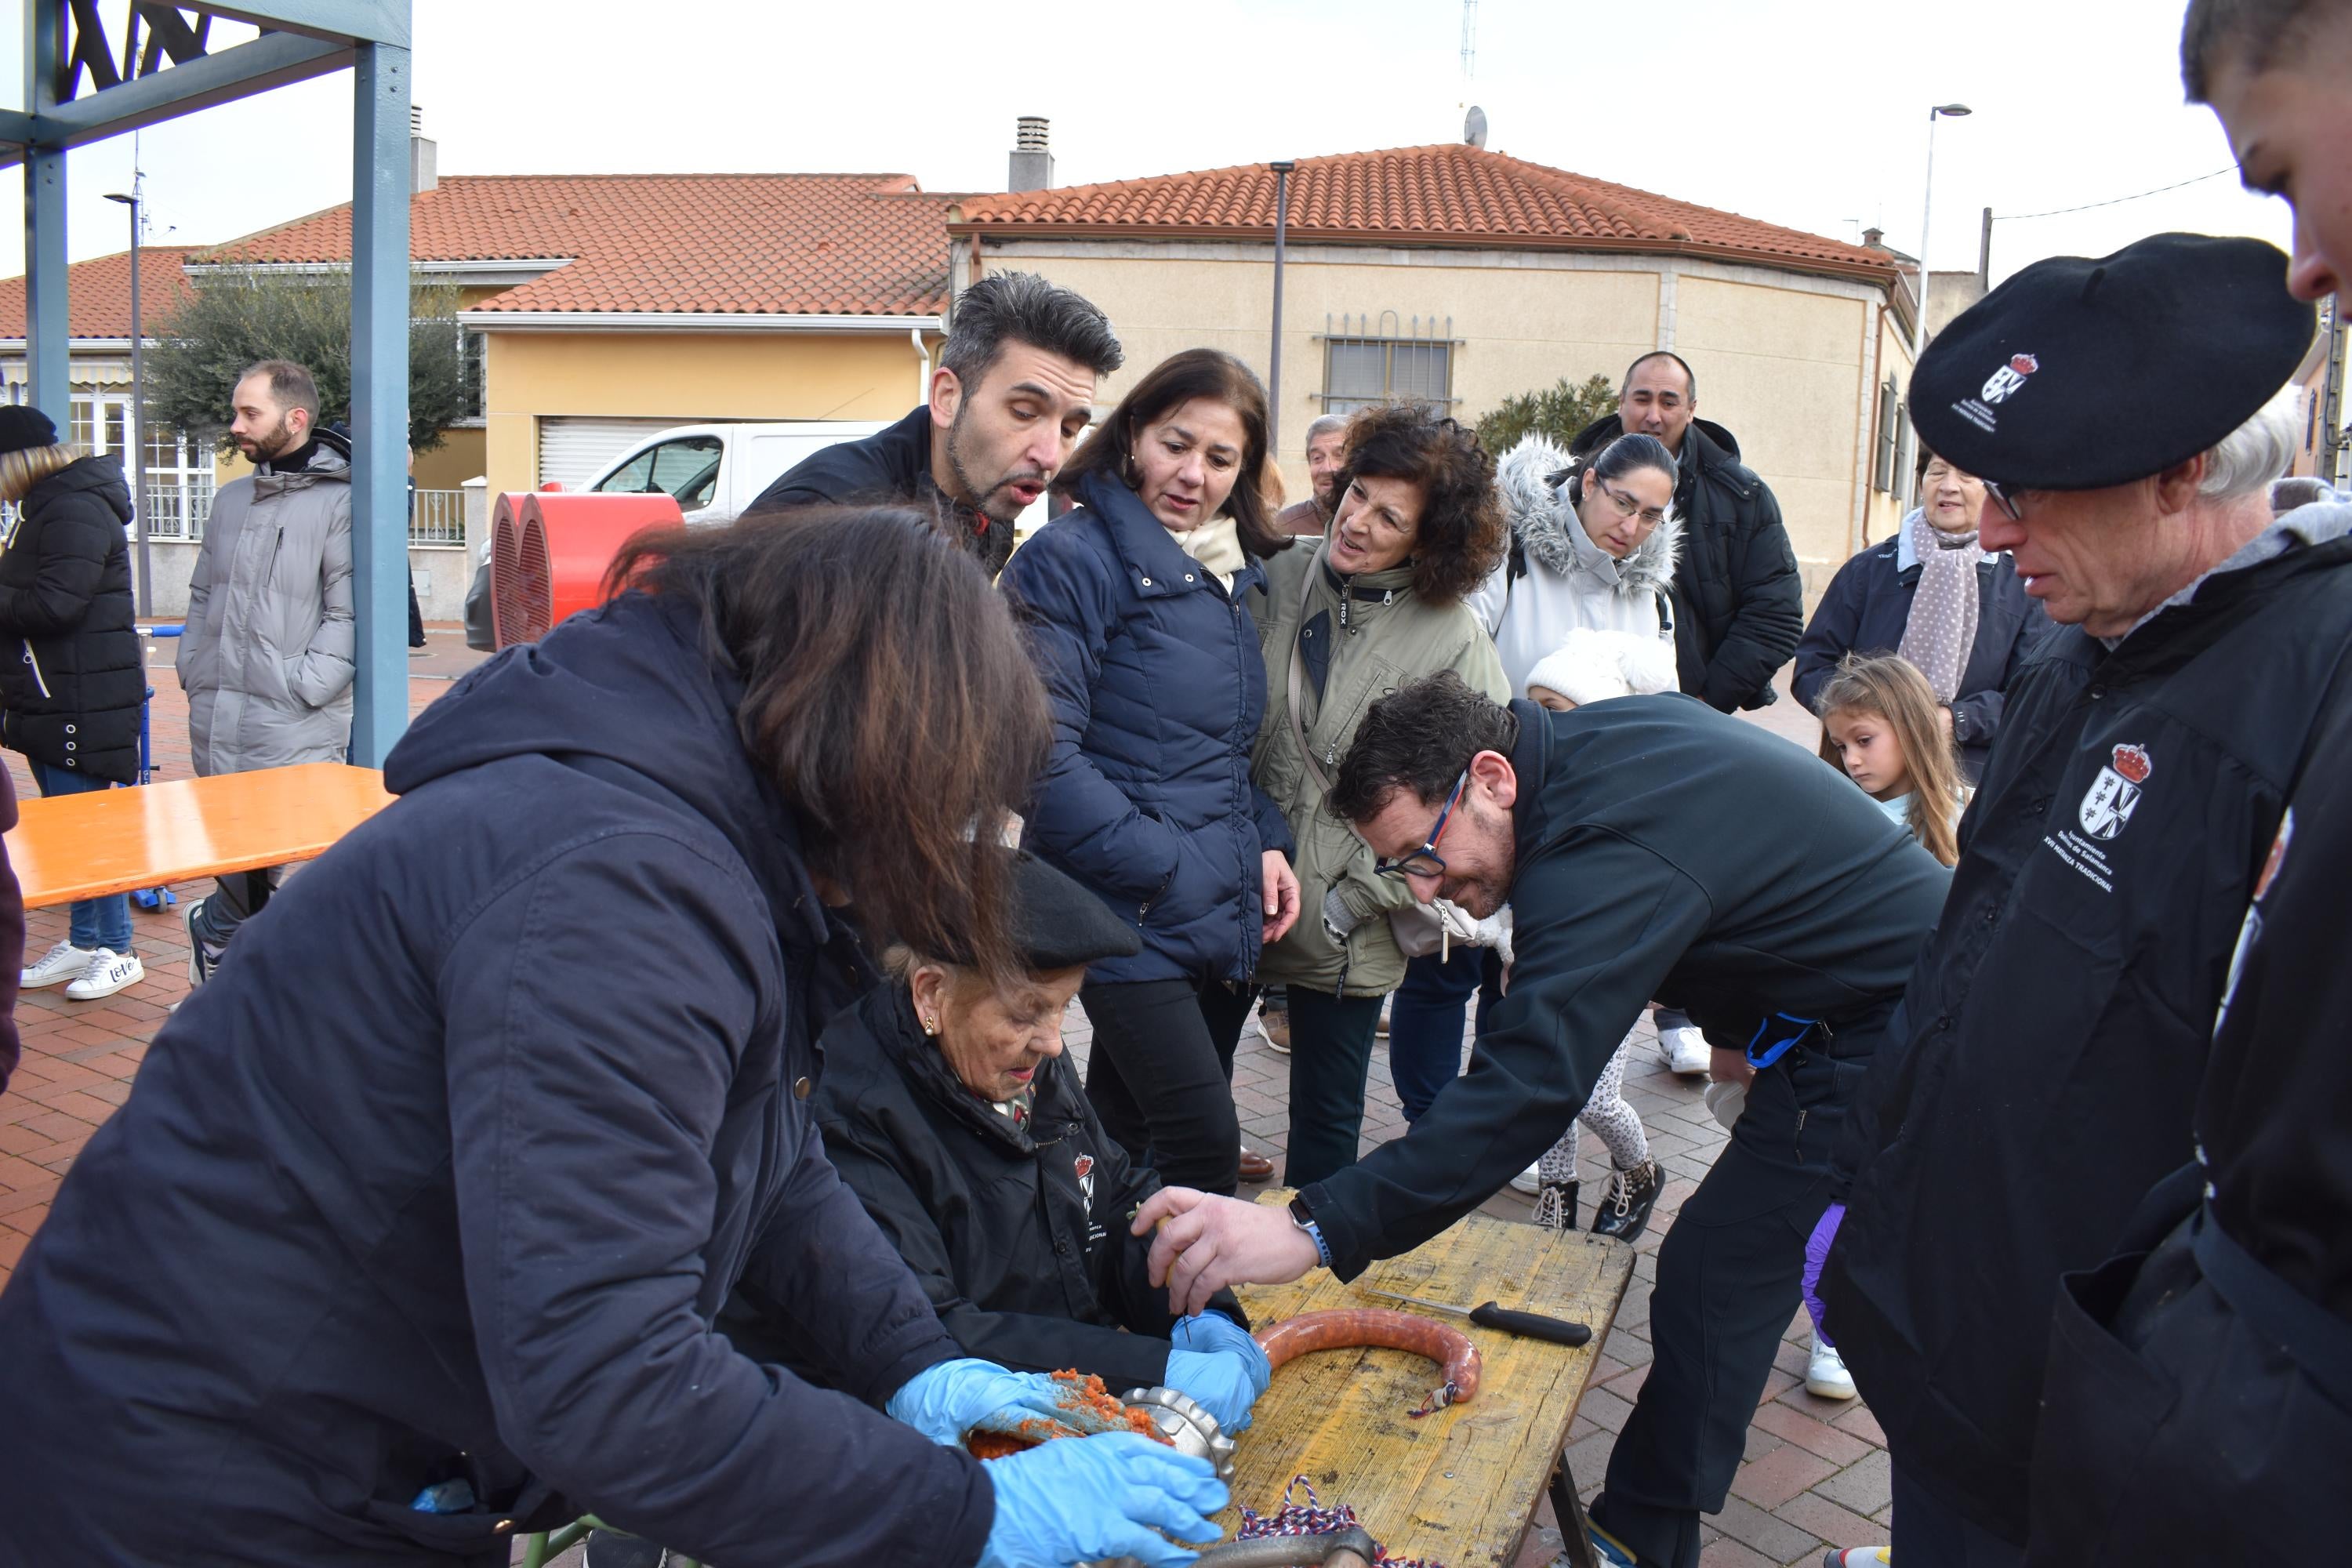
(549, 551)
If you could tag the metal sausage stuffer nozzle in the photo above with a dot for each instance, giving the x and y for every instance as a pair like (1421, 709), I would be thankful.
(1188, 1428)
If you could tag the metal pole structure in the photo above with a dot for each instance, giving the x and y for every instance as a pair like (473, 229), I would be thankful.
(1281, 244)
(1984, 255)
(380, 311)
(136, 469)
(1920, 327)
(47, 351)
(2331, 397)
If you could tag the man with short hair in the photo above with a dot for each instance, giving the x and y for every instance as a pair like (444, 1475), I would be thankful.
(2230, 1289)
(1740, 602)
(1326, 446)
(1013, 391)
(269, 651)
(1623, 836)
(2122, 412)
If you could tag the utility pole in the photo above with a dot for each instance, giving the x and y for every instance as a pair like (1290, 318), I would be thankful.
(1281, 169)
(135, 469)
(2331, 398)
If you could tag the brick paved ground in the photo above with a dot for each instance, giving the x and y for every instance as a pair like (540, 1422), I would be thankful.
(1815, 1470)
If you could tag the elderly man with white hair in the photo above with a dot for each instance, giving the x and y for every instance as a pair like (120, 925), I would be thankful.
(2125, 414)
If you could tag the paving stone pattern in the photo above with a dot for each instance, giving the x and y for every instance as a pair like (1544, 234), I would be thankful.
(1815, 1471)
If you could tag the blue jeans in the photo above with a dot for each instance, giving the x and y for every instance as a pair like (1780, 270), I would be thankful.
(1330, 1055)
(1425, 1022)
(94, 923)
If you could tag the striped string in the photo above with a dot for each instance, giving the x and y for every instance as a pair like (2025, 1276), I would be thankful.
(1311, 1518)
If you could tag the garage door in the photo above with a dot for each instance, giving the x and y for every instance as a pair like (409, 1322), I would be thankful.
(571, 451)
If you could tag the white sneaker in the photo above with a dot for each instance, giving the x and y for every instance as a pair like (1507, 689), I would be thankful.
(62, 963)
(108, 972)
(1530, 1181)
(1684, 1050)
(1825, 1373)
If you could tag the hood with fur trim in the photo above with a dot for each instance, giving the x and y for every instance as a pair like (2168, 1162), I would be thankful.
(1544, 524)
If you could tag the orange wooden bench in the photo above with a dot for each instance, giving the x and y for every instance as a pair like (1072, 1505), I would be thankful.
(73, 847)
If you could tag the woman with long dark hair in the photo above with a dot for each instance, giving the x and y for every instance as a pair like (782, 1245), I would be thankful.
(1136, 606)
(413, 1231)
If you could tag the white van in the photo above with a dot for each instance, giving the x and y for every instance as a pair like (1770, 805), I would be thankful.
(716, 471)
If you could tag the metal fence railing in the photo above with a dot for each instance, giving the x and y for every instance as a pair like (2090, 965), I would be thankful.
(439, 520)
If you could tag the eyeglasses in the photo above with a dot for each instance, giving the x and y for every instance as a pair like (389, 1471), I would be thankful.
(1426, 861)
(1627, 506)
(2006, 497)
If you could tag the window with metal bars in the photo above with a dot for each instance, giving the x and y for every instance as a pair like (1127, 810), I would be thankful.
(1361, 372)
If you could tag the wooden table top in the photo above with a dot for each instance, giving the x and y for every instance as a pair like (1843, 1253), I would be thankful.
(1458, 1486)
(73, 847)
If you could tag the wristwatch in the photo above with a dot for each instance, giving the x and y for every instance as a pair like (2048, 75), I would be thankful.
(1303, 1219)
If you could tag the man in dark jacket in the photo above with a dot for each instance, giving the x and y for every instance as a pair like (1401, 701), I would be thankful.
(2057, 1027)
(2197, 1405)
(1739, 602)
(73, 681)
(996, 1181)
(416, 1220)
(1013, 391)
(1624, 836)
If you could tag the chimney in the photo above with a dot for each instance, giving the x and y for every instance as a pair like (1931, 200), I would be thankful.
(1875, 238)
(1032, 165)
(424, 155)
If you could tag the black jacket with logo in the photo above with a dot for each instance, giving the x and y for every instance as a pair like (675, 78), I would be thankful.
(890, 468)
(1019, 1235)
(2058, 1025)
(1739, 600)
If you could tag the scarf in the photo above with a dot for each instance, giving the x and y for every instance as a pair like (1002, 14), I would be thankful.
(1217, 545)
(1942, 626)
(21, 470)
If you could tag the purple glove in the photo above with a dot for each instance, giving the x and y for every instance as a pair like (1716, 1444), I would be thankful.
(1817, 1255)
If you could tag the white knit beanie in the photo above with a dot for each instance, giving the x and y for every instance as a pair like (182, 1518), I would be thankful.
(1593, 666)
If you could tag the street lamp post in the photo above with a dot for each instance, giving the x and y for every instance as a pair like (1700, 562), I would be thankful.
(1920, 327)
(137, 468)
(1282, 170)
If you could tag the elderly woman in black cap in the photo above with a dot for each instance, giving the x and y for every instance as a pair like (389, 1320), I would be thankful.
(950, 1109)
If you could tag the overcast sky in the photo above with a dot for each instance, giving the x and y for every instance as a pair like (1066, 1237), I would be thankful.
(1810, 113)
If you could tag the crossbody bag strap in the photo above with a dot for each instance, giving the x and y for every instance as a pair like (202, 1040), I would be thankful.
(1299, 681)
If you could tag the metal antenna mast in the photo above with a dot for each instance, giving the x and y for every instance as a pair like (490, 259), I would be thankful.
(1469, 42)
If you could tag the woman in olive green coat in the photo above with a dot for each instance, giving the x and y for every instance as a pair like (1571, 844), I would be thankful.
(1415, 526)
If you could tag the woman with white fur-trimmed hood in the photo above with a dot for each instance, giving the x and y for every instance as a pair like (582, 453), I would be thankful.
(1594, 543)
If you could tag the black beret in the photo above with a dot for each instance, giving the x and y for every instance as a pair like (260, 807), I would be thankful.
(1057, 924)
(23, 427)
(2077, 373)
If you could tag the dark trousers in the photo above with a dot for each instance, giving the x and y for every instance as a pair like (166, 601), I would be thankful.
(1425, 1022)
(1731, 1274)
(1330, 1055)
(1161, 1075)
(1930, 1535)
(233, 900)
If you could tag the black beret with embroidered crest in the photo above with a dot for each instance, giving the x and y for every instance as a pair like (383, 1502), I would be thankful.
(2078, 373)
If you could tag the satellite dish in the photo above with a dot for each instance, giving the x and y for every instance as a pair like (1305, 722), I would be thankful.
(1474, 127)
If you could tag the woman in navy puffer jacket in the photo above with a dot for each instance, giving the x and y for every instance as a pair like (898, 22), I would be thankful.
(1135, 608)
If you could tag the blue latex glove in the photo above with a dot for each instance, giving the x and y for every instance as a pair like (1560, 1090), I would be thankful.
(945, 1401)
(1817, 1258)
(1219, 1367)
(1085, 1498)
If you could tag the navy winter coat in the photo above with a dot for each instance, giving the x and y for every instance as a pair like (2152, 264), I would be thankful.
(447, 1174)
(1157, 685)
(1868, 604)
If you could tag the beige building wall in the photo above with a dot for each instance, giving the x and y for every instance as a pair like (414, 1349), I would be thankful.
(686, 376)
(1886, 511)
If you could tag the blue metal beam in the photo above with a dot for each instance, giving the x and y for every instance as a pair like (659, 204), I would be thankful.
(18, 127)
(248, 69)
(380, 310)
(337, 21)
(48, 365)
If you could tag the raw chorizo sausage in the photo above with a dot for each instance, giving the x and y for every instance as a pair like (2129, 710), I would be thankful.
(1387, 1328)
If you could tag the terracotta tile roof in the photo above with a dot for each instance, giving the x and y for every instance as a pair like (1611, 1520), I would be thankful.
(1452, 194)
(783, 244)
(97, 293)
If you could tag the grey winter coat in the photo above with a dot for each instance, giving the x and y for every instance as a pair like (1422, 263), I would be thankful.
(267, 659)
